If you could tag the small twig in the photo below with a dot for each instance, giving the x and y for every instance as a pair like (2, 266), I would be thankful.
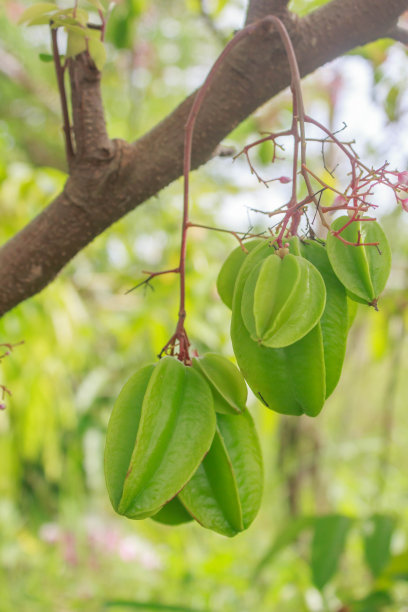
(4, 390)
(10, 347)
(59, 69)
(234, 233)
(103, 24)
(151, 276)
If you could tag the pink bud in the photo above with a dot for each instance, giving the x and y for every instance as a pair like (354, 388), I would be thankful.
(339, 200)
(285, 179)
(2, 406)
(403, 178)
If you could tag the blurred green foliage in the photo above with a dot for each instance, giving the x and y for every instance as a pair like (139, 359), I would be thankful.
(334, 515)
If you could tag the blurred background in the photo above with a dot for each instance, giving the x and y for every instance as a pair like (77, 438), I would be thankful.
(332, 533)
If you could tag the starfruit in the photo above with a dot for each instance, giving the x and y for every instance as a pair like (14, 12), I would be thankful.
(225, 493)
(289, 380)
(226, 382)
(334, 322)
(352, 307)
(275, 376)
(363, 270)
(282, 300)
(162, 425)
(173, 513)
(230, 269)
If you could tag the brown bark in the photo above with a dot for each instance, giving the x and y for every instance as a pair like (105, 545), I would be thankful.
(260, 8)
(110, 178)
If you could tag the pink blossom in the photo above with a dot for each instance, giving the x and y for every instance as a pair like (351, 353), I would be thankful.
(403, 178)
(70, 548)
(285, 179)
(339, 200)
(404, 204)
(50, 532)
(131, 548)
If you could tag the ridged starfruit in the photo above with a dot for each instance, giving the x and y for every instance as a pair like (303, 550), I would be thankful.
(226, 382)
(289, 380)
(334, 322)
(162, 425)
(173, 513)
(282, 300)
(230, 269)
(225, 493)
(363, 270)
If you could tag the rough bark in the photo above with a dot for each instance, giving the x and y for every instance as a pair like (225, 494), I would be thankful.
(260, 8)
(110, 178)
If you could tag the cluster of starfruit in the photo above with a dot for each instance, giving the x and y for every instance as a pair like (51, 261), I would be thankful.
(181, 445)
(292, 309)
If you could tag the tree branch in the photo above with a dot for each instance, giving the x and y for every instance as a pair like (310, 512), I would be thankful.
(110, 178)
(261, 8)
(91, 138)
(399, 34)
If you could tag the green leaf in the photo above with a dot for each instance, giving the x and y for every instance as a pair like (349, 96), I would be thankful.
(46, 57)
(377, 542)
(286, 536)
(397, 568)
(97, 4)
(76, 43)
(303, 8)
(43, 20)
(75, 28)
(392, 103)
(328, 543)
(373, 602)
(67, 16)
(220, 5)
(97, 51)
(38, 10)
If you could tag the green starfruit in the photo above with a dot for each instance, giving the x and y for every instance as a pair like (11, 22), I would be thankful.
(230, 269)
(289, 380)
(226, 382)
(173, 513)
(334, 322)
(363, 270)
(162, 425)
(282, 300)
(225, 493)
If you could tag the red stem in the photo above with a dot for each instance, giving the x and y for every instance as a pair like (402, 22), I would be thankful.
(189, 128)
